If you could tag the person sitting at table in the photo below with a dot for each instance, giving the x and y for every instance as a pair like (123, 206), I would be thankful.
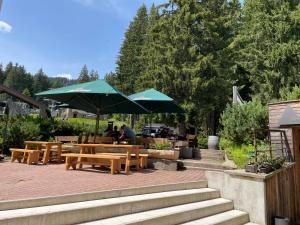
(115, 134)
(109, 131)
(127, 134)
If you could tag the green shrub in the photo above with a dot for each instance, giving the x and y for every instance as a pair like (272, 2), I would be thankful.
(166, 146)
(238, 120)
(202, 142)
(287, 94)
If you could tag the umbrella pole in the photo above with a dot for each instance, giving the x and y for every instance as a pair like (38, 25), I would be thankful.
(97, 126)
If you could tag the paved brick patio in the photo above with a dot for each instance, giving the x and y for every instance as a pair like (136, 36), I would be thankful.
(21, 181)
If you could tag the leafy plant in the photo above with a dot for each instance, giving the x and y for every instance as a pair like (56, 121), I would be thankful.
(238, 121)
(202, 142)
(264, 161)
(166, 146)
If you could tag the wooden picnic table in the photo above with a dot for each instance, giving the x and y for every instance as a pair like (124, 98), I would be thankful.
(38, 145)
(131, 150)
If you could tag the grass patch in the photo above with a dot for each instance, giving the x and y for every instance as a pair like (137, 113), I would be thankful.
(240, 154)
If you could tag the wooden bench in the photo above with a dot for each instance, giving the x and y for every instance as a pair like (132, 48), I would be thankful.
(100, 140)
(67, 139)
(143, 159)
(114, 161)
(25, 155)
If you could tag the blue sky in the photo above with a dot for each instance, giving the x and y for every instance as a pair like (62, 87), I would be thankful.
(61, 36)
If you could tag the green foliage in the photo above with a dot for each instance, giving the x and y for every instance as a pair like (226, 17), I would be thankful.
(40, 82)
(239, 154)
(238, 120)
(129, 64)
(2, 74)
(94, 75)
(286, 94)
(185, 53)
(84, 75)
(202, 142)
(264, 161)
(26, 92)
(18, 130)
(267, 47)
(166, 146)
(17, 78)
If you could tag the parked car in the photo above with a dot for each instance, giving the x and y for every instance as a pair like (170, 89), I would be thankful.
(157, 130)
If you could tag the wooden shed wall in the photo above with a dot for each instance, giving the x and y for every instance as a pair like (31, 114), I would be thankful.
(276, 111)
(293, 134)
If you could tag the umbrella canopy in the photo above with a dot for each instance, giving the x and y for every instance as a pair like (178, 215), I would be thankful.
(156, 102)
(97, 97)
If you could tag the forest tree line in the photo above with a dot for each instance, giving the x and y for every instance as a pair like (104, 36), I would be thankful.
(16, 77)
(195, 51)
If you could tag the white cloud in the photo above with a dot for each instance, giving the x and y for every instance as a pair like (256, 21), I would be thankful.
(5, 27)
(64, 75)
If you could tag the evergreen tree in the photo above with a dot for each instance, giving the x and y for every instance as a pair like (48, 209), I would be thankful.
(94, 75)
(187, 55)
(268, 46)
(129, 64)
(18, 79)
(40, 82)
(26, 92)
(2, 74)
(111, 78)
(8, 67)
(84, 75)
(149, 51)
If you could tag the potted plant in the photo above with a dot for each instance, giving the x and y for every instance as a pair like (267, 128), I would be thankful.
(251, 167)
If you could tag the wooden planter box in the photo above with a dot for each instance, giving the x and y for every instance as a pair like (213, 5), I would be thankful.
(162, 154)
(251, 168)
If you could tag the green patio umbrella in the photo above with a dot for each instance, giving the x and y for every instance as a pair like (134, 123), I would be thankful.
(156, 102)
(97, 97)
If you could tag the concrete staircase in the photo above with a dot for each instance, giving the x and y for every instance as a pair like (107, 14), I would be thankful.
(181, 203)
(208, 159)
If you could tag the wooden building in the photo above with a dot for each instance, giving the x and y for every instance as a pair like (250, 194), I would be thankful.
(286, 116)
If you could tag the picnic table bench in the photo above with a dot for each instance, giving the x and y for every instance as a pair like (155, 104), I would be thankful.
(38, 145)
(142, 157)
(114, 161)
(132, 150)
(25, 155)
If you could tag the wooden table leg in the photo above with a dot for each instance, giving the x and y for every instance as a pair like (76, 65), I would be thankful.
(137, 156)
(79, 159)
(46, 154)
(59, 149)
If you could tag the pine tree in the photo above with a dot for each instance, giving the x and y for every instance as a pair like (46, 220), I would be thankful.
(17, 78)
(40, 82)
(84, 75)
(2, 74)
(148, 55)
(111, 78)
(268, 46)
(187, 55)
(94, 75)
(26, 92)
(129, 64)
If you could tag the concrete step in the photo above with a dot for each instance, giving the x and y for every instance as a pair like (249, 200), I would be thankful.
(232, 217)
(250, 223)
(209, 154)
(171, 215)
(208, 164)
(71, 198)
(79, 212)
(202, 168)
